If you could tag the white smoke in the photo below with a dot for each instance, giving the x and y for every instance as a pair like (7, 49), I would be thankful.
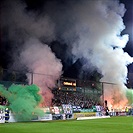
(99, 29)
(92, 29)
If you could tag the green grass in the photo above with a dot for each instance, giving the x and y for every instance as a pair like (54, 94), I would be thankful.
(108, 125)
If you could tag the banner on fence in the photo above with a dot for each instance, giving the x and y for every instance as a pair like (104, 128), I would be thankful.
(2, 116)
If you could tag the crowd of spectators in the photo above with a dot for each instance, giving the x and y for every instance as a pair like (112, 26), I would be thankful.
(73, 98)
(3, 100)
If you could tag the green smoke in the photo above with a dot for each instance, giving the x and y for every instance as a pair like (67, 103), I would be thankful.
(23, 101)
(129, 95)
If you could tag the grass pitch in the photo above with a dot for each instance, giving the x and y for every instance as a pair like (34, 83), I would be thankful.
(109, 125)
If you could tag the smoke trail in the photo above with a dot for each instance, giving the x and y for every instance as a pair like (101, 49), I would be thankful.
(39, 59)
(23, 101)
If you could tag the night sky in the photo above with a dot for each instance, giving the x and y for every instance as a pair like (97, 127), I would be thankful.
(11, 41)
(128, 20)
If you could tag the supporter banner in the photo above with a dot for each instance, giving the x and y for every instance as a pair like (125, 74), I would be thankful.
(98, 108)
(2, 116)
(76, 109)
(76, 115)
(94, 109)
(56, 110)
(67, 108)
(87, 110)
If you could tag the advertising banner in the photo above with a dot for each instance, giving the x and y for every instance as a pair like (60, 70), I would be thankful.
(46, 117)
(76, 115)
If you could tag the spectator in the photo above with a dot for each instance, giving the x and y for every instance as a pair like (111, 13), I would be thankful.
(73, 98)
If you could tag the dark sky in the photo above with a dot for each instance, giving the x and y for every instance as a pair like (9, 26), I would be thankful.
(70, 69)
(128, 21)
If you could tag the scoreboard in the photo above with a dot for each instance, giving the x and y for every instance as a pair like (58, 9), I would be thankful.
(68, 82)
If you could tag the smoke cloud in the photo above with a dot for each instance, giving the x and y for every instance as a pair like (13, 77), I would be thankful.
(92, 30)
(22, 25)
(40, 60)
(25, 29)
(23, 101)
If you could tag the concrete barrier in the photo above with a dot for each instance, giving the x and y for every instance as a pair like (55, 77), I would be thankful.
(93, 117)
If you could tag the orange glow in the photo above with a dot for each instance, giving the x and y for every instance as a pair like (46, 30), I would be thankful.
(116, 97)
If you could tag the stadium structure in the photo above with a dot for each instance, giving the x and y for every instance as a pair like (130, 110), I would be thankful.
(72, 98)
